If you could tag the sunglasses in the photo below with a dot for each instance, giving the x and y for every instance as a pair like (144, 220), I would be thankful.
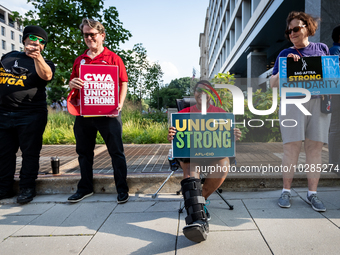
(34, 38)
(93, 35)
(294, 29)
(17, 70)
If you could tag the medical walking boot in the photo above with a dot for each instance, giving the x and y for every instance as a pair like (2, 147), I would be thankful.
(197, 226)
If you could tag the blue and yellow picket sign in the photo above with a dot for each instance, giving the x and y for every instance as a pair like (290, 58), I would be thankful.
(203, 136)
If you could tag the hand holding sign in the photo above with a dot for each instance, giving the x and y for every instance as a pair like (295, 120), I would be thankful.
(171, 134)
(294, 56)
(76, 83)
(237, 134)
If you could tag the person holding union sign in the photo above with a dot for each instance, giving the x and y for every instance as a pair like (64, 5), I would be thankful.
(86, 128)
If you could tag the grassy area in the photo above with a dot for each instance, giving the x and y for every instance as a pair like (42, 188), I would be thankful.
(144, 128)
(59, 129)
(137, 128)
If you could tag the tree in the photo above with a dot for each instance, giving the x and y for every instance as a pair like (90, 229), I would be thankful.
(137, 67)
(177, 89)
(61, 19)
(153, 80)
(183, 84)
(144, 78)
(167, 98)
(225, 94)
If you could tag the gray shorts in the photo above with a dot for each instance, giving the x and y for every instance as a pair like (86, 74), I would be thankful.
(314, 127)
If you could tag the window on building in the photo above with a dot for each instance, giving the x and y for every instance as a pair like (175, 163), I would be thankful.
(3, 45)
(21, 49)
(13, 46)
(10, 22)
(2, 30)
(12, 35)
(20, 38)
(2, 18)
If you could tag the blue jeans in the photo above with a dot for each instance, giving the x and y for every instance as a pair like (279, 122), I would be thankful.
(85, 131)
(24, 130)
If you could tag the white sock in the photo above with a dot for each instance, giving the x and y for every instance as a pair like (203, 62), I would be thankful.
(283, 190)
(311, 192)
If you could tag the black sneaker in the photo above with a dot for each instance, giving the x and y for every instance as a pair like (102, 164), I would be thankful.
(26, 195)
(122, 198)
(78, 196)
(6, 193)
(197, 231)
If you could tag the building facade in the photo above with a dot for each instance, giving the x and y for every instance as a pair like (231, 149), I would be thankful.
(245, 36)
(10, 32)
(203, 44)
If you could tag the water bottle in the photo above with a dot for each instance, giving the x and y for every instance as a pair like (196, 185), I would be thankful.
(170, 155)
(55, 163)
(172, 161)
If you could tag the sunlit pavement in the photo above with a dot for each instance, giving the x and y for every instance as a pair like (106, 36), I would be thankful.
(98, 225)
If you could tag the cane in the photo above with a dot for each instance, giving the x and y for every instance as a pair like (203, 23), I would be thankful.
(174, 165)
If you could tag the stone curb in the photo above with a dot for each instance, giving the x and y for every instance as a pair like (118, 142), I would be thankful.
(148, 183)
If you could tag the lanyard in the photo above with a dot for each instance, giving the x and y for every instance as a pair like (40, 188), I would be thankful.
(298, 51)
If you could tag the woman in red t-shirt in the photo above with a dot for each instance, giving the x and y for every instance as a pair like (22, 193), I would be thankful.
(197, 226)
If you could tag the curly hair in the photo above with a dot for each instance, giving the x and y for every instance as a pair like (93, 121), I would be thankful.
(203, 82)
(310, 22)
(92, 24)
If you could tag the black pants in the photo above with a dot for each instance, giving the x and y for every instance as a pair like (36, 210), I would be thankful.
(24, 130)
(85, 131)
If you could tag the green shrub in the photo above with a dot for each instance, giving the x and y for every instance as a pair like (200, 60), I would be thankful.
(157, 116)
(139, 132)
(59, 128)
(137, 128)
(141, 128)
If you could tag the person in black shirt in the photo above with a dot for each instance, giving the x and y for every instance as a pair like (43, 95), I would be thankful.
(23, 112)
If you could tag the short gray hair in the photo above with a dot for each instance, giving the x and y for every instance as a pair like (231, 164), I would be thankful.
(92, 24)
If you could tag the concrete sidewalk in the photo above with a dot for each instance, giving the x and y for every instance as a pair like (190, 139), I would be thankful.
(98, 225)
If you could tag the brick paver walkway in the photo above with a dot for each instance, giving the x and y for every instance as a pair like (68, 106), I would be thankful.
(152, 158)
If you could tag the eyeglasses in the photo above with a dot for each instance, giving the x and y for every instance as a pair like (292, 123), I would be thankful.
(34, 38)
(93, 35)
(294, 29)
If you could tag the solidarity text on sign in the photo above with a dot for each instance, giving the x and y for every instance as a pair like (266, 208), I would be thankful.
(320, 75)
